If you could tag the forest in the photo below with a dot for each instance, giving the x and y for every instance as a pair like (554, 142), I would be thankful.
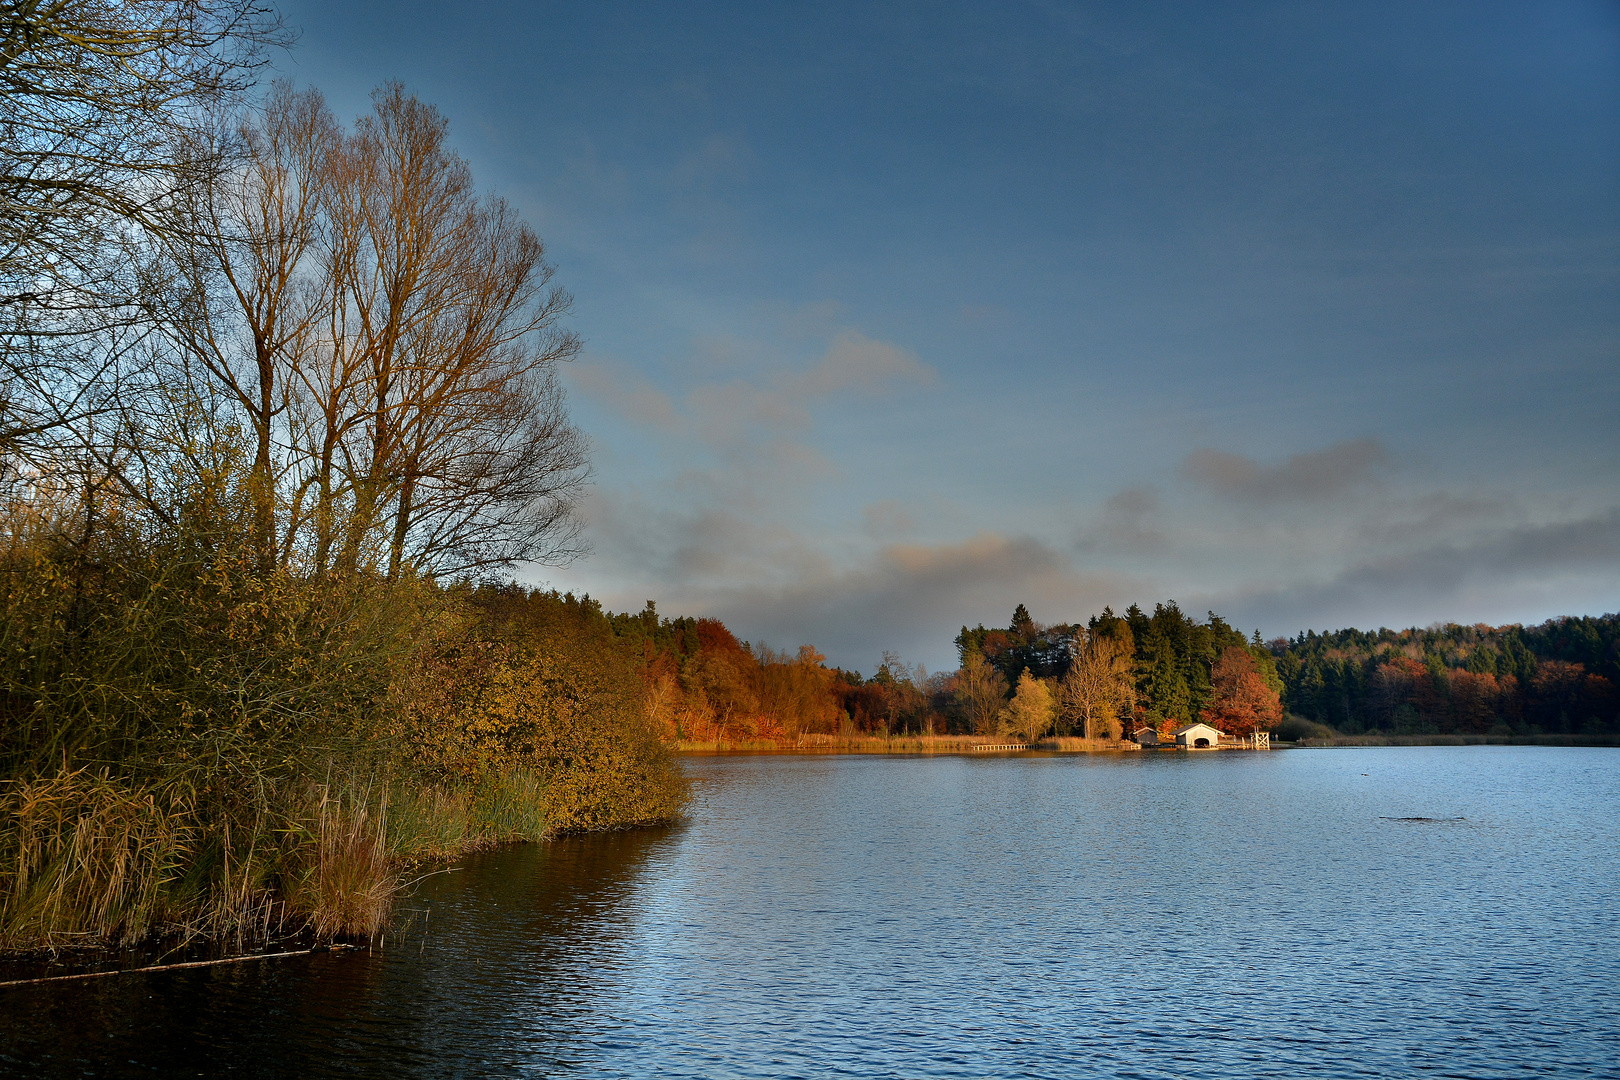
(1104, 678)
(1097, 680)
(1558, 678)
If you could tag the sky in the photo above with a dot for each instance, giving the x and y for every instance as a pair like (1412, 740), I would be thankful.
(897, 315)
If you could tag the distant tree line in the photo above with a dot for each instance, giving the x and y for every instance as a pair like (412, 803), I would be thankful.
(1099, 679)
(1556, 678)
(1114, 673)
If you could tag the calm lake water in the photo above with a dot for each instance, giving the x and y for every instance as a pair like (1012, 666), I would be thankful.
(1136, 915)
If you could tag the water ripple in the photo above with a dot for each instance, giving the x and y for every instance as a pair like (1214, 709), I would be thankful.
(1450, 913)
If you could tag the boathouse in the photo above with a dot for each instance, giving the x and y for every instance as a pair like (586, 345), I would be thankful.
(1146, 735)
(1198, 737)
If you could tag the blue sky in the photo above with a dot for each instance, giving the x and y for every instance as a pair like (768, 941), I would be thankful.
(898, 315)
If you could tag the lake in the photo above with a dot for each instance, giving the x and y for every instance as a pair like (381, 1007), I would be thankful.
(1231, 914)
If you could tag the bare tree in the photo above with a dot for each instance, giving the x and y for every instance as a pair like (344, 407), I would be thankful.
(377, 340)
(95, 93)
(94, 96)
(1099, 691)
(252, 294)
(450, 331)
(389, 341)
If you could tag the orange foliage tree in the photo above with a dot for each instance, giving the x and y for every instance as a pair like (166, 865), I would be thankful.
(1243, 703)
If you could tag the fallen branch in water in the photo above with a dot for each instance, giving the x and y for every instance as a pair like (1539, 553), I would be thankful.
(173, 967)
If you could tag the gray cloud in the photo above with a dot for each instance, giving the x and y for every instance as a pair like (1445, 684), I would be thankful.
(772, 587)
(1439, 516)
(732, 411)
(1555, 568)
(625, 393)
(907, 596)
(1126, 523)
(1318, 474)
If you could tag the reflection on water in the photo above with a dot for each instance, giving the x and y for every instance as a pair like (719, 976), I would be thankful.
(488, 947)
(1332, 913)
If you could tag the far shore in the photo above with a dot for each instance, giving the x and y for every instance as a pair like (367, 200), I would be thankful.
(897, 744)
(975, 744)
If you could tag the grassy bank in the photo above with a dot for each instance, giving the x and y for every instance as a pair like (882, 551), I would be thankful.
(101, 858)
(195, 749)
(93, 859)
(888, 744)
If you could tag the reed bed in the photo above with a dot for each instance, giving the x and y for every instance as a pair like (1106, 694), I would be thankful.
(1072, 744)
(83, 856)
(87, 858)
(884, 744)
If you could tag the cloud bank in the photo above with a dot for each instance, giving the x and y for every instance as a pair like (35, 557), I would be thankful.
(1313, 476)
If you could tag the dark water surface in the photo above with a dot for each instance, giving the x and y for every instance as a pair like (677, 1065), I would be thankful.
(1140, 915)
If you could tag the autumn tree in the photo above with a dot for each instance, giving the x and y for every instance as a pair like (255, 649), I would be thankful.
(466, 459)
(253, 282)
(387, 339)
(981, 691)
(1242, 702)
(1032, 710)
(1097, 695)
(796, 691)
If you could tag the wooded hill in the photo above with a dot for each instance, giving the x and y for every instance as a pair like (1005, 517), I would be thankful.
(1116, 672)
(1556, 678)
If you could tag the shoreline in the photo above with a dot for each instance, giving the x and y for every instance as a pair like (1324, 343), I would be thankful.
(1456, 740)
(878, 745)
(964, 745)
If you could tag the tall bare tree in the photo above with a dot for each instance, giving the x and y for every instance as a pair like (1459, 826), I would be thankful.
(389, 342)
(453, 328)
(94, 96)
(1099, 691)
(251, 302)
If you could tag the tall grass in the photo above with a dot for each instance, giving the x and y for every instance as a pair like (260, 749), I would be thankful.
(885, 744)
(196, 746)
(90, 857)
(83, 856)
(1070, 744)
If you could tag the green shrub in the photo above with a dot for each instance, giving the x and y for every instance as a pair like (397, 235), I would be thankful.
(1295, 728)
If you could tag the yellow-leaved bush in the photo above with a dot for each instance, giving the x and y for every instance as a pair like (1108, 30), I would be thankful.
(570, 715)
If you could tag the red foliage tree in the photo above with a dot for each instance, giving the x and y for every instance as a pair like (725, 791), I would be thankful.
(713, 636)
(1243, 703)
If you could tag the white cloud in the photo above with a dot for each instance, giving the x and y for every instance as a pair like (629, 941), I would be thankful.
(855, 361)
